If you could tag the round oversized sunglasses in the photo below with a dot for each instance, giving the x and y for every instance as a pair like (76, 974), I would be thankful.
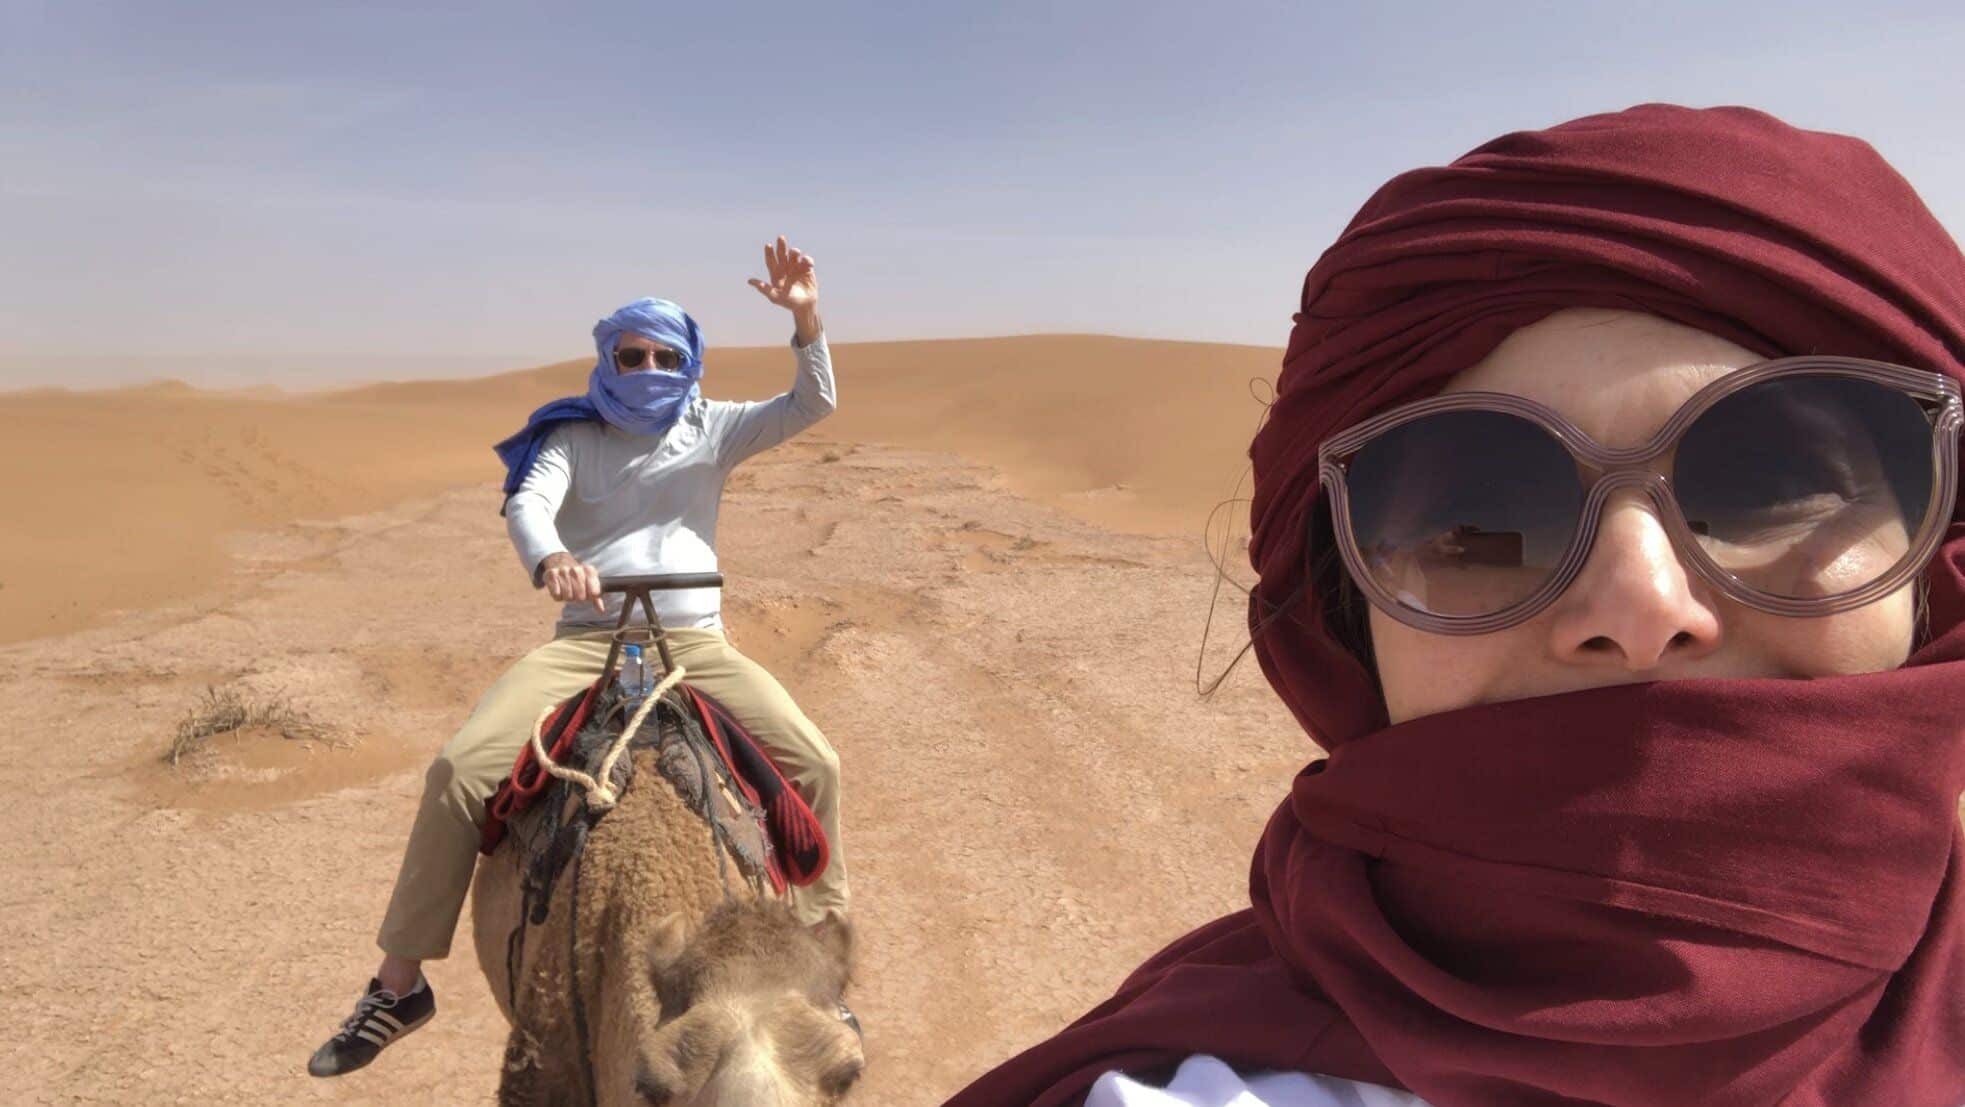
(634, 357)
(1803, 486)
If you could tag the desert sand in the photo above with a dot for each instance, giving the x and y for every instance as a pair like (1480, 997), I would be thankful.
(984, 578)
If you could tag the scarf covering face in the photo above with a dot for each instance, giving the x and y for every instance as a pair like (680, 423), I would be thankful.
(647, 401)
(1695, 892)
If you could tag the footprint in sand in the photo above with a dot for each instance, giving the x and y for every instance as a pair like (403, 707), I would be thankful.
(987, 550)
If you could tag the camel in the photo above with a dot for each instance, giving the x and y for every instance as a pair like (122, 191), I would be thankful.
(692, 989)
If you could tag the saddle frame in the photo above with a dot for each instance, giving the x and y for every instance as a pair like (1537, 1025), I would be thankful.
(640, 590)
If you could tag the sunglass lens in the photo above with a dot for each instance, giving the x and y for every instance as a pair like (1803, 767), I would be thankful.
(633, 357)
(1463, 513)
(1808, 486)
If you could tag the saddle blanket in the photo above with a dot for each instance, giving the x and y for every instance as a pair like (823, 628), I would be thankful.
(800, 850)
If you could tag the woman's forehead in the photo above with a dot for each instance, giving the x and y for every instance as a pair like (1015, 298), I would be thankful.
(1618, 375)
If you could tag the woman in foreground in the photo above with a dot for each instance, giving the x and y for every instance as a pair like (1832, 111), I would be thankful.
(1639, 652)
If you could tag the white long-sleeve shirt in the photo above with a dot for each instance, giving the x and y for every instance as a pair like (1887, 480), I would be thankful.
(633, 504)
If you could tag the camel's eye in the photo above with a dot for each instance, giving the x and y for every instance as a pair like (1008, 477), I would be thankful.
(839, 1080)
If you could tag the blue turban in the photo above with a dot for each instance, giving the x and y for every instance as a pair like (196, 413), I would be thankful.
(648, 401)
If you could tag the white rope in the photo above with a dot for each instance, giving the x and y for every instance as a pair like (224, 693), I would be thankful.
(600, 793)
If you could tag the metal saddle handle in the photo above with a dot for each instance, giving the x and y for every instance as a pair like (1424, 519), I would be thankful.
(638, 589)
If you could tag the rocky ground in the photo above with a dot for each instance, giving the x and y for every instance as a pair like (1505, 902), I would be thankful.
(1036, 798)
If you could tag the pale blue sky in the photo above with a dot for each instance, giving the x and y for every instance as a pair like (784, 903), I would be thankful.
(243, 193)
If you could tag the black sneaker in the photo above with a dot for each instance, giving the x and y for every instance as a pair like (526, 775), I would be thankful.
(381, 1016)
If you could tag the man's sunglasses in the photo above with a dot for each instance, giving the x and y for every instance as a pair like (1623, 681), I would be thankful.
(634, 357)
(1803, 486)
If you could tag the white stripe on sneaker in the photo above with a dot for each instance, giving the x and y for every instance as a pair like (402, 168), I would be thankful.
(365, 1033)
(395, 1024)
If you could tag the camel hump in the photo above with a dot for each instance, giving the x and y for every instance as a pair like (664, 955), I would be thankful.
(713, 765)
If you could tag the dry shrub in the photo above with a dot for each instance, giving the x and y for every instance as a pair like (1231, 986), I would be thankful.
(223, 710)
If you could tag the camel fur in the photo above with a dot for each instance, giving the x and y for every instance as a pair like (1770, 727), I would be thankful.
(696, 992)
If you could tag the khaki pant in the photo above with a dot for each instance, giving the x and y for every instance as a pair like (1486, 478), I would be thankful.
(443, 844)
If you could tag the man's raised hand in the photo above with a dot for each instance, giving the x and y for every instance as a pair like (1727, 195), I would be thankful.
(793, 280)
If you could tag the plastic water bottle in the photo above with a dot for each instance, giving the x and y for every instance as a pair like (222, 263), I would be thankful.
(634, 674)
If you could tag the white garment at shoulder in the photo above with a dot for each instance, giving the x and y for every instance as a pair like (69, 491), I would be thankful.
(1204, 1081)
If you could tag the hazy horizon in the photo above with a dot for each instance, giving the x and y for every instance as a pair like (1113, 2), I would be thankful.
(326, 372)
(235, 195)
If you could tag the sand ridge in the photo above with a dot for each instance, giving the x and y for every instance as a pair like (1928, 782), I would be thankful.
(123, 499)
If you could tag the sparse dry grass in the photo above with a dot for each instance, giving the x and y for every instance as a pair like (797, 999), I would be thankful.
(223, 710)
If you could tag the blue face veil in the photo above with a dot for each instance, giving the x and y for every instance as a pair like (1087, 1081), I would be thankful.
(646, 401)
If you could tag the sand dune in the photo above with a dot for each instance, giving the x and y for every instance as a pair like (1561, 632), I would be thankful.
(120, 500)
(982, 578)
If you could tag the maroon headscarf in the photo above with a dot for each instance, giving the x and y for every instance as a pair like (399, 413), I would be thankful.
(1714, 892)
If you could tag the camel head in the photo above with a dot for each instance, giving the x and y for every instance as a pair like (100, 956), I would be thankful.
(750, 1012)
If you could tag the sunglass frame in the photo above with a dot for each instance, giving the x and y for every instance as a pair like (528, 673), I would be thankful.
(651, 358)
(1938, 395)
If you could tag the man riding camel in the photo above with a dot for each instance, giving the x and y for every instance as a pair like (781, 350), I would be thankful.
(625, 480)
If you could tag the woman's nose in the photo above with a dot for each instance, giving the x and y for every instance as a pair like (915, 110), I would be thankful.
(1634, 605)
